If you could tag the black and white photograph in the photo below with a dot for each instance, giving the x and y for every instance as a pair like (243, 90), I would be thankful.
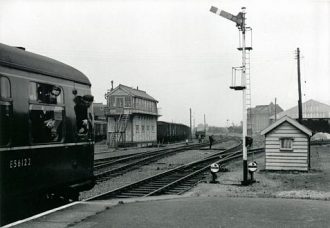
(166, 113)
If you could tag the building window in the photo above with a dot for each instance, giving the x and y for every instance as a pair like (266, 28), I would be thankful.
(153, 128)
(137, 129)
(142, 129)
(148, 128)
(286, 143)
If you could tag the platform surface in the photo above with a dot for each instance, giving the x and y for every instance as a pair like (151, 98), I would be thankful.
(191, 212)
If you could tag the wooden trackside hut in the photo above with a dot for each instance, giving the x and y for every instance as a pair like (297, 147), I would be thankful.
(287, 145)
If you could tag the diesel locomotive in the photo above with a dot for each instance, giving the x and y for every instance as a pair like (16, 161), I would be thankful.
(46, 129)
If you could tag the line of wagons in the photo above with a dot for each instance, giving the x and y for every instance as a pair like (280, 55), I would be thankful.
(167, 132)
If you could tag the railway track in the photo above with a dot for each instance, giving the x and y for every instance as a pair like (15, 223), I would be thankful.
(107, 169)
(175, 181)
(116, 167)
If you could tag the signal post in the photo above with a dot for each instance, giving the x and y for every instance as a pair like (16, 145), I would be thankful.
(244, 85)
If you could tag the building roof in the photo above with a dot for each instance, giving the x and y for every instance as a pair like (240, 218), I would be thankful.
(290, 121)
(310, 109)
(134, 92)
(266, 109)
(23, 60)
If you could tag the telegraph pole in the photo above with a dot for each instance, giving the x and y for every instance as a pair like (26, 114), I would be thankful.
(299, 88)
(275, 110)
(204, 125)
(190, 126)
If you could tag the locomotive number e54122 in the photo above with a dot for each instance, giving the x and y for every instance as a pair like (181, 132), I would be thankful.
(21, 162)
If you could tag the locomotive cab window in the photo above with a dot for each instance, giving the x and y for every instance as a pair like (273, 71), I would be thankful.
(45, 93)
(46, 113)
(83, 109)
(5, 111)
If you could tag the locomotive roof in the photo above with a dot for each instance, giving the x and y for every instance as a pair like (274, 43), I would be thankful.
(28, 61)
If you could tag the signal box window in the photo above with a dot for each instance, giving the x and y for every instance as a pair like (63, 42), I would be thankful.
(46, 123)
(5, 111)
(119, 102)
(286, 143)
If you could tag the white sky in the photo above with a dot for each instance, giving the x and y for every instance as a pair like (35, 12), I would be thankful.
(180, 52)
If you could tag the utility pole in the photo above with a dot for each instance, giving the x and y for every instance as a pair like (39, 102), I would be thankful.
(190, 126)
(299, 88)
(275, 110)
(204, 125)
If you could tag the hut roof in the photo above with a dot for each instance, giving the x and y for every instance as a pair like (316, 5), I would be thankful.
(290, 121)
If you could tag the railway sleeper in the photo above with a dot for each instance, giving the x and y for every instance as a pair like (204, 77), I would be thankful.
(139, 191)
(165, 181)
(152, 184)
(177, 190)
(129, 194)
(174, 191)
(150, 187)
(169, 178)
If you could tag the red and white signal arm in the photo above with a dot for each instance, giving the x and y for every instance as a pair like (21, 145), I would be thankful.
(215, 168)
(252, 166)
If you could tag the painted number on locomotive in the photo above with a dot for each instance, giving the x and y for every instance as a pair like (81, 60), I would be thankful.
(18, 163)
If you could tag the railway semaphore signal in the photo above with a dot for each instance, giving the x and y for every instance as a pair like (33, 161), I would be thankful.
(244, 70)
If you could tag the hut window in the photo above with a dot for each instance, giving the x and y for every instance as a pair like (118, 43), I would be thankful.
(286, 143)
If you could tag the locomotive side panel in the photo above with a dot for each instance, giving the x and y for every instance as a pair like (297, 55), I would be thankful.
(34, 158)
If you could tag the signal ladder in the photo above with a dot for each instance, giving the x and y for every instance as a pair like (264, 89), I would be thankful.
(237, 79)
(120, 130)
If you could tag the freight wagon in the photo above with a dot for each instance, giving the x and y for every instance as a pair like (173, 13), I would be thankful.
(172, 132)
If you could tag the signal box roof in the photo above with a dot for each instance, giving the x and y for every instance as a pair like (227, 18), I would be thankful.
(133, 92)
(23, 60)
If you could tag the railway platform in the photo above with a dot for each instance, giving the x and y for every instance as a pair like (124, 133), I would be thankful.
(174, 211)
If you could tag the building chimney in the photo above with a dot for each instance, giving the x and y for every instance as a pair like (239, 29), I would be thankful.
(111, 85)
(137, 88)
